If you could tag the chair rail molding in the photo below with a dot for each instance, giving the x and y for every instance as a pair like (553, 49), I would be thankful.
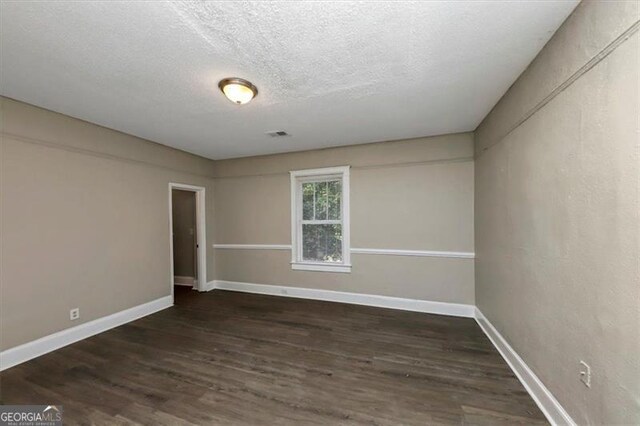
(369, 251)
(253, 246)
(418, 253)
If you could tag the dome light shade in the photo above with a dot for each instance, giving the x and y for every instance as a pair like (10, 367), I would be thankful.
(238, 90)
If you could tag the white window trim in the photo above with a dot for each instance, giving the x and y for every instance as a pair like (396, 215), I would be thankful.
(310, 175)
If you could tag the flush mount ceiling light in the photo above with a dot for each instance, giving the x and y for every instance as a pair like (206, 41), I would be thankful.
(238, 90)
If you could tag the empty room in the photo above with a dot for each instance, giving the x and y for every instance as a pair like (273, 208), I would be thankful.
(320, 212)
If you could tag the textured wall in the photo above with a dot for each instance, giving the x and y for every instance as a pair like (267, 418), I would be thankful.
(557, 214)
(415, 194)
(85, 220)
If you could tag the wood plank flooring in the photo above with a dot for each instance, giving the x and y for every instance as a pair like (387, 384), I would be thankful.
(231, 358)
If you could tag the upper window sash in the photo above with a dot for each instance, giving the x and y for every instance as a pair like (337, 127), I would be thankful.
(329, 206)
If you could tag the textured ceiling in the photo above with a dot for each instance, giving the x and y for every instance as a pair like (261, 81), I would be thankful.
(329, 73)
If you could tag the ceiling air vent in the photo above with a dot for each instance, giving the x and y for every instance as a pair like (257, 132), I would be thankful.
(278, 134)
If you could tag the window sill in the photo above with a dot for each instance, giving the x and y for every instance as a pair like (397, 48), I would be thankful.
(320, 267)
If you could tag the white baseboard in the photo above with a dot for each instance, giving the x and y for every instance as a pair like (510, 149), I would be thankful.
(441, 308)
(27, 351)
(180, 280)
(547, 403)
(208, 286)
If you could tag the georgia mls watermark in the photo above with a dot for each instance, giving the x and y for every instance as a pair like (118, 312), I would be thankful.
(30, 415)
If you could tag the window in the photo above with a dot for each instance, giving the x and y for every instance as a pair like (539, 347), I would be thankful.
(320, 220)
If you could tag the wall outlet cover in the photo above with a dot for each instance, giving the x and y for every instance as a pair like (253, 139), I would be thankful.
(585, 374)
(74, 314)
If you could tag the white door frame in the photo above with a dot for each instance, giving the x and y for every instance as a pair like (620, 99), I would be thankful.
(201, 233)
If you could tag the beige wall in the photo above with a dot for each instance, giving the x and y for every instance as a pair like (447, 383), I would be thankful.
(557, 215)
(89, 206)
(415, 194)
(85, 220)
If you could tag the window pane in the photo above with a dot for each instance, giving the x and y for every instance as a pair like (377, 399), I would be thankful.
(322, 243)
(321, 201)
(335, 190)
(307, 200)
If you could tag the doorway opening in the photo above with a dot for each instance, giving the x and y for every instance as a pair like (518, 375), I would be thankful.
(187, 238)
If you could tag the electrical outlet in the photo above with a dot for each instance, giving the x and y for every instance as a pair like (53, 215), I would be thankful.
(74, 314)
(585, 374)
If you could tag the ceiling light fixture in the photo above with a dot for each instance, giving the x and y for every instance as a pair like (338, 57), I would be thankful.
(238, 90)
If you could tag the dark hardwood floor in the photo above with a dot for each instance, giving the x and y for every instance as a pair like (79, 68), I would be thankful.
(232, 358)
